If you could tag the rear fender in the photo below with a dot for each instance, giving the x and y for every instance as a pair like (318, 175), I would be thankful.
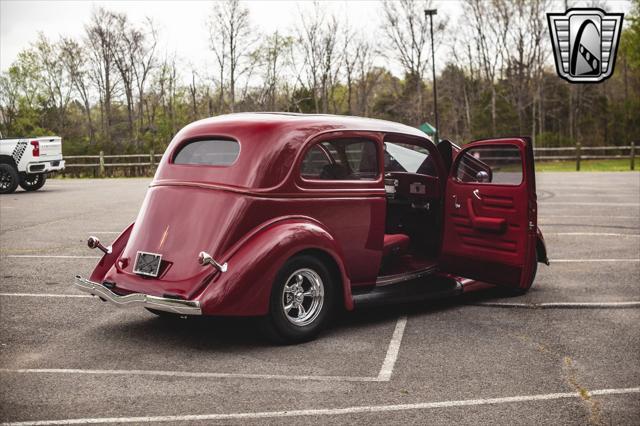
(107, 261)
(253, 263)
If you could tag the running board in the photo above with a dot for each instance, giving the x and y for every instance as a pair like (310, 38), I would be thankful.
(432, 288)
(399, 278)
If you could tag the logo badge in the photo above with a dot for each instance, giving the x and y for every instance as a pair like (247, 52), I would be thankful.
(585, 42)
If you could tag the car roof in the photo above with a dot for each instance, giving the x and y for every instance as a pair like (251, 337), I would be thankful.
(269, 143)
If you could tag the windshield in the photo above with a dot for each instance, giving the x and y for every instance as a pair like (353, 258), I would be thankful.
(400, 157)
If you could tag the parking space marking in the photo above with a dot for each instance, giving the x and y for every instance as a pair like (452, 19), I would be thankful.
(570, 203)
(562, 305)
(50, 256)
(591, 260)
(383, 376)
(184, 374)
(592, 234)
(585, 216)
(392, 352)
(43, 295)
(367, 409)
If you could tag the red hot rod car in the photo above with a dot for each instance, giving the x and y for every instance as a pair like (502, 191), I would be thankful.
(290, 216)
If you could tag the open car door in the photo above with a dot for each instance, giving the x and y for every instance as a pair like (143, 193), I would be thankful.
(490, 213)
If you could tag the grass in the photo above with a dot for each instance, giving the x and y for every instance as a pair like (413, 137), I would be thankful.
(615, 165)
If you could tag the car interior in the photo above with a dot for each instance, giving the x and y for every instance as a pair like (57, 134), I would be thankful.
(413, 188)
(413, 222)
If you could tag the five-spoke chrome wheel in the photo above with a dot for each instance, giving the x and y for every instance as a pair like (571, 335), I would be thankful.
(303, 297)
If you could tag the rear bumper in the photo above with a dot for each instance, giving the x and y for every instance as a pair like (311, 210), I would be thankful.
(45, 166)
(176, 306)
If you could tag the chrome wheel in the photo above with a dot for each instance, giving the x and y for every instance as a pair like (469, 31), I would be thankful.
(303, 297)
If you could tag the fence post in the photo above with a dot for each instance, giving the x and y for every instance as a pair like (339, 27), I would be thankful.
(633, 156)
(101, 174)
(151, 158)
(578, 156)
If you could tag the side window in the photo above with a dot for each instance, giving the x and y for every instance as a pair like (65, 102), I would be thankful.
(341, 159)
(499, 164)
(314, 162)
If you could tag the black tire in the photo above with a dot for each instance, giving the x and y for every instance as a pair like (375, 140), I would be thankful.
(33, 182)
(279, 324)
(8, 179)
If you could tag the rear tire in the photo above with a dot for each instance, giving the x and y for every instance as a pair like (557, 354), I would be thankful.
(33, 182)
(302, 300)
(8, 179)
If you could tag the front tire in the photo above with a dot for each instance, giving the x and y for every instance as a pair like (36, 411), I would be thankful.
(8, 179)
(33, 182)
(302, 299)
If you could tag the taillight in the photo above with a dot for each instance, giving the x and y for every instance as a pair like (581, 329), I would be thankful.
(36, 148)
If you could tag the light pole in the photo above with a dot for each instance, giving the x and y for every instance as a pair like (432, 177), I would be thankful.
(430, 13)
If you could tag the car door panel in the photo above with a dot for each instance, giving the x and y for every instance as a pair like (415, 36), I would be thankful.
(486, 224)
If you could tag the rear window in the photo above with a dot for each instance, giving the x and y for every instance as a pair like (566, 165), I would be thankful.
(210, 152)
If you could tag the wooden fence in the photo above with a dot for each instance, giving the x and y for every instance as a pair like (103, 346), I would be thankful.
(144, 164)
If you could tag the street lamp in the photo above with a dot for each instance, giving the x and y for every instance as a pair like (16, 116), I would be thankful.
(430, 13)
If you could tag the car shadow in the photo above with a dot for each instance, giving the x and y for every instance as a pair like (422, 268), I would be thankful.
(239, 333)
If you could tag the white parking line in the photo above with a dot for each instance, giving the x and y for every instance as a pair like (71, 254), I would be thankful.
(562, 305)
(586, 217)
(65, 296)
(392, 352)
(49, 256)
(592, 234)
(591, 260)
(569, 203)
(192, 374)
(367, 409)
(383, 376)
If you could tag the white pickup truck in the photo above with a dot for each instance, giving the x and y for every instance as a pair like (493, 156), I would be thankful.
(27, 161)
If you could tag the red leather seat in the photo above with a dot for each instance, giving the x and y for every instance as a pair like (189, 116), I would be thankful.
(395, 244)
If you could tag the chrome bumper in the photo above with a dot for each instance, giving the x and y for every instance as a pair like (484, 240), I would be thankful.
(176, 306)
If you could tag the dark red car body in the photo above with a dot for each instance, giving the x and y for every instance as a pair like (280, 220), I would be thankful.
(258, 212)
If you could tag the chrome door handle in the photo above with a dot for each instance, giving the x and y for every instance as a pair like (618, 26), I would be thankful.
(476, 192)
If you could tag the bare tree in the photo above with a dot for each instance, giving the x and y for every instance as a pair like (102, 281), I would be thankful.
(74, 59)
(231, 40)
(102, 37)
(490, 21)
(368, 75)
(407, 32)
(318, 40)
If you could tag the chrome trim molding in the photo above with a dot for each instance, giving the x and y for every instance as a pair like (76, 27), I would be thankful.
(176, 306)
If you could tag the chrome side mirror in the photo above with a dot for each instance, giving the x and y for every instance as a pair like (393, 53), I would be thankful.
(94, 243)
(205, 258)
(482, 176)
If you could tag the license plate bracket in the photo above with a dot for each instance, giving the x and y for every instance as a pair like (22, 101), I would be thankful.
(147, 264)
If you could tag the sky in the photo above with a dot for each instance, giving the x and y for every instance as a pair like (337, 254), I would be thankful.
(182, 23)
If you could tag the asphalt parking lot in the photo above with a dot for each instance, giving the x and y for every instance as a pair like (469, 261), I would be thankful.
(568, 352)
